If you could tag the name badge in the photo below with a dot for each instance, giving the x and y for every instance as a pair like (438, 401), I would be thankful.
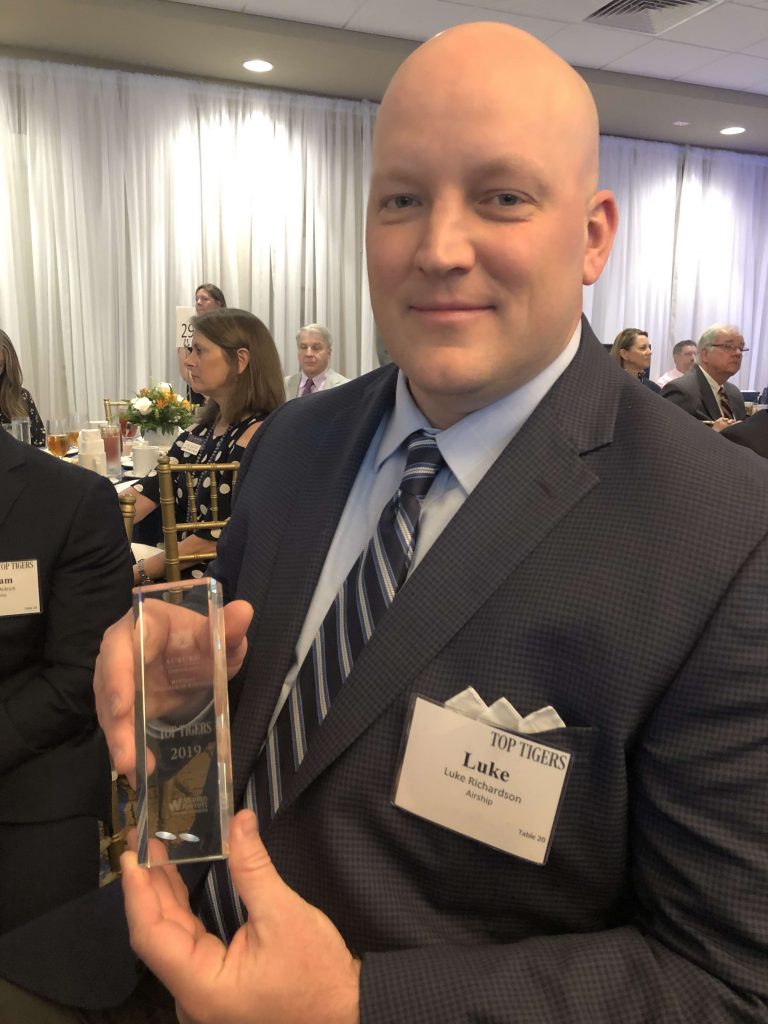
(498, 787)
(191, 446)
(19, 588)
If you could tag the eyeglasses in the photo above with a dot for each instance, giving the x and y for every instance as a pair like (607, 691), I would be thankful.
(741, 349)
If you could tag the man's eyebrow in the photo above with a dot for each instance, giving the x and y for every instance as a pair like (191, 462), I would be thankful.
(402, 174)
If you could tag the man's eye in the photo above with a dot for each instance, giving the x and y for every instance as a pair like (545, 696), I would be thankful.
(508, 199)
(400, 202)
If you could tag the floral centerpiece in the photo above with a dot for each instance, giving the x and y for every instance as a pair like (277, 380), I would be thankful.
(159, 408)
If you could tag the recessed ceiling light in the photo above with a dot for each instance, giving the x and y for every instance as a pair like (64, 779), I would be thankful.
(735, 130)
(681, 124)
(259, 66)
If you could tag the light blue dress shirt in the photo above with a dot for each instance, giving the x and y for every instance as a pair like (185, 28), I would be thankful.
(469, 448)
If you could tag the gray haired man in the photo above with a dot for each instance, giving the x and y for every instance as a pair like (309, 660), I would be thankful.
(315, 345)
(705, 392)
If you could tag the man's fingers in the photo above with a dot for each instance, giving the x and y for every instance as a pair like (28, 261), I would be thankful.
(113, 686)
(237, 619)
(256, 880)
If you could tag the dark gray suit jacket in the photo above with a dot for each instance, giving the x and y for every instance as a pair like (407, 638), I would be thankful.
(53, 759)
(693, 394)
(652, 906)
(751, 433)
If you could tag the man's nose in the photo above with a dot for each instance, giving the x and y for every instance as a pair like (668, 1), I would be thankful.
(446, 243)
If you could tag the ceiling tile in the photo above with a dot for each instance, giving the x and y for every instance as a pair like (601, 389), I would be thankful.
(732, 72)
(335, 14)
(408, 20)
(592, 46)
(557, 10)
(660, 59)
(758, 50)
(731, 26)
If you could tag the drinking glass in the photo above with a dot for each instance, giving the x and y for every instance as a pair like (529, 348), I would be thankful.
(76, 421)
(56, 437)
(112, 449)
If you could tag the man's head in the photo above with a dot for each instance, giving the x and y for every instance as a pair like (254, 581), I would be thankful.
(314, 343)
(720, 350)
(483, 215)
(684, 355)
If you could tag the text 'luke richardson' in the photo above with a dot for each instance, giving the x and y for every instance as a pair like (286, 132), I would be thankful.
(480, 772)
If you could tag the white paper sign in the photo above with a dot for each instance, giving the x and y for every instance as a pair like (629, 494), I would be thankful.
(19, 588)
(498, 787)
(184, 331)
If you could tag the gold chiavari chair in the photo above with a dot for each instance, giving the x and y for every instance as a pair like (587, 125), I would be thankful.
(114, 842)
(189, 473)
(128, 508)
(113, 407)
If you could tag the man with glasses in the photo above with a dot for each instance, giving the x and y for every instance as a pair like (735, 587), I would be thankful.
(705, 392)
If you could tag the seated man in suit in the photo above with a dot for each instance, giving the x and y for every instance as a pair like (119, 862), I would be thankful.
(461, 504)
(704, 391)
(65, 572)
(315, 345)
(684, 358)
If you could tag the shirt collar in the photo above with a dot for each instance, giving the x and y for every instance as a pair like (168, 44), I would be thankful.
(471, 446)
(318, 381)
(712, 383)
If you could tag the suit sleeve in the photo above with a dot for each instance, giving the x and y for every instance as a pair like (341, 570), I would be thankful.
(90, 587)
(693, 946)
(677, 396)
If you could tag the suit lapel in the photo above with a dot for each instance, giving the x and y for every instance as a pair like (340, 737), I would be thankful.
(707, 396)
(340, 442)
(533, 485)
(11, 475)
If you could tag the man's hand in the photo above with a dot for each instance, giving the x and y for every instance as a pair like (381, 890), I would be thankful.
(114, 683)
(722, 423)
(287, 965)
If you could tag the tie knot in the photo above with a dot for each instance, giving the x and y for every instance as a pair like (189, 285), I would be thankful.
(422, 464)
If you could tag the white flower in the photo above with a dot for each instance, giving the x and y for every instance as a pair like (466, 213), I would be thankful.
(163, 387)
(142, 405)
(178, 399)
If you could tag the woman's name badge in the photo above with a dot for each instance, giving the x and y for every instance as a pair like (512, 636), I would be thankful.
(501, 788)
(19, 588)
(191, 446)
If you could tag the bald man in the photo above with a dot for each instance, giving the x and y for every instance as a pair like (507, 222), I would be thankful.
(591, 847)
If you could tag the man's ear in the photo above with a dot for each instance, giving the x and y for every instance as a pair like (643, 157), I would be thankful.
(602, 222)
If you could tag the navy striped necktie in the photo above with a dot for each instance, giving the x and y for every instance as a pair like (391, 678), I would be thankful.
(364, 597)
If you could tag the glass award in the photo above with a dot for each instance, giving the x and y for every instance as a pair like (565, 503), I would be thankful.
(183, 755)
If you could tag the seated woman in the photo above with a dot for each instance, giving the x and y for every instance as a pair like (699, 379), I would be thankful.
(15, 401)
(632, 351)
(234, 363)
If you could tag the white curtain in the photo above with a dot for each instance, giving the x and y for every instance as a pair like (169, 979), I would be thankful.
(120, 192)
(691, 250)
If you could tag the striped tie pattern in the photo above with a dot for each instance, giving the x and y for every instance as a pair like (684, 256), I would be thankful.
(725, 405)
(364, 597)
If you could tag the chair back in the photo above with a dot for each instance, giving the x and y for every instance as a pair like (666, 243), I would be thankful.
(128, 508)
(187, 476)
(114, 408)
